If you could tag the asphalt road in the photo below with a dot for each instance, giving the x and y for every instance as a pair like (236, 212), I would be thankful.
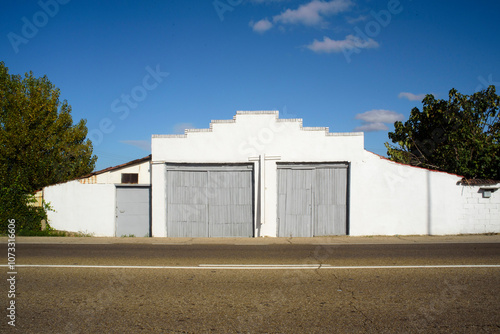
(184, 288)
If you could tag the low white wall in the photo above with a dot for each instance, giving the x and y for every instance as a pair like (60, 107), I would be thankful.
(88, 208)
(388, 198)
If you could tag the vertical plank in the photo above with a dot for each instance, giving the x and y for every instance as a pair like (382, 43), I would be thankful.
(187, 203)
(230, 203)
(294, 202)
(330, 201)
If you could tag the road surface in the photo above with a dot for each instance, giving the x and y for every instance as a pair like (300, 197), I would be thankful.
(265, 288)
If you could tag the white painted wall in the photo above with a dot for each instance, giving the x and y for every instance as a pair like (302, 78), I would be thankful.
(158, 201)
(88, 208)
(386, 198)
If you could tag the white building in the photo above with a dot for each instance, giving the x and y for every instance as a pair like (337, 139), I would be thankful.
(258, 175)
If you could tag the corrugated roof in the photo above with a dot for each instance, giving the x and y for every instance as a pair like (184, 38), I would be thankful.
(478, 182)
(127, 164)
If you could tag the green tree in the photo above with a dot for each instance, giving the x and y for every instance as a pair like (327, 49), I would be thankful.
(39, 145)
(460, 135)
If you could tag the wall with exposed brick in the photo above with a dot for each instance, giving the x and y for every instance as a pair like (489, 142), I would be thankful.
(479, 214)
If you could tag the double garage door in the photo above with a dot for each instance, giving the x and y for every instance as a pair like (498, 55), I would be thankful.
(217, 200)
(312, 200)
(209, 201)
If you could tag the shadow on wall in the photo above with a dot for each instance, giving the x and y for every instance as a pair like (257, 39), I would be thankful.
(429, 202)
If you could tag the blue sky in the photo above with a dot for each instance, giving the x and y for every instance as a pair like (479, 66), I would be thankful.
(137, 68)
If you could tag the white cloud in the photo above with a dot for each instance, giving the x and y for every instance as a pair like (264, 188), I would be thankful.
(374, 120)
(313, 12)
(411, 96)
(180, 127)
(350, 42)
(354, 20)
(371, 127)
(142, 144)
(380, 115)
(309, 14)
(261, 26)
(266, 1)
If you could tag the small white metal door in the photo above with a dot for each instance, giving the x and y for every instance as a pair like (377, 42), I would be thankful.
(133, 211)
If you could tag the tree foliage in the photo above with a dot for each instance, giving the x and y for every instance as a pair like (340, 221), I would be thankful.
(39, 144)
(460, 135)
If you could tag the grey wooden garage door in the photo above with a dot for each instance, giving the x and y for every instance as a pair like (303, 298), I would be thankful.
(132, 211)
(210, 201)
(312, 200)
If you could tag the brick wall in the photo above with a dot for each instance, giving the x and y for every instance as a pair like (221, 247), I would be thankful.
(480, 215)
